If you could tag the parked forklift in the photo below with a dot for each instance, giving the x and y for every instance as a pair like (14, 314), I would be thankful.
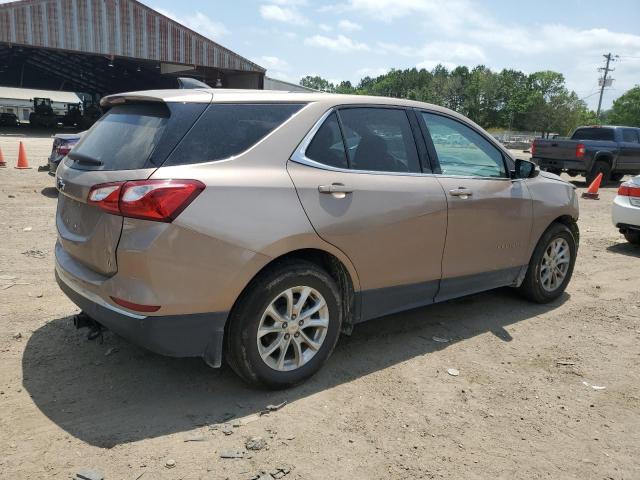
(73, 115)
(91, 113)
(42, 115)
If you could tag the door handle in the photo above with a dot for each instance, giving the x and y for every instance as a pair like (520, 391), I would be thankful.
(460, 192)
(338, 190)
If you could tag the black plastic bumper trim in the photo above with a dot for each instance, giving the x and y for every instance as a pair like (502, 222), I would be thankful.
(193, 335)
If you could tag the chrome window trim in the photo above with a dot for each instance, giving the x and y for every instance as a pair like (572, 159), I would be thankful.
(299, 156)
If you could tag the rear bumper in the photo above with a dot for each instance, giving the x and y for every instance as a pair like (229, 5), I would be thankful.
(193, 335)
(573, 165)
(624, 215)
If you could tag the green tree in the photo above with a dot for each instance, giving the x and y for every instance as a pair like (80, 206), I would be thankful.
(345, 87)
(509, 99)
(626, 109)
(317, 83)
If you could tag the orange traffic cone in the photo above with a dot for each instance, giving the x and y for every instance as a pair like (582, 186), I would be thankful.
(23, 163)
(3, 164)
(592, 191)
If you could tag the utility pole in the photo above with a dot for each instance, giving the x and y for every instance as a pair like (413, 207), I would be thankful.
(610, 58)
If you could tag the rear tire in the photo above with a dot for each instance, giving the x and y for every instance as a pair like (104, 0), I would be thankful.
(632, 236)
(543, 282)
(271, 304)
(616, 177)
(599, 167)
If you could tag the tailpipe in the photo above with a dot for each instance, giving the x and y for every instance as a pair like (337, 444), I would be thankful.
(82, 320)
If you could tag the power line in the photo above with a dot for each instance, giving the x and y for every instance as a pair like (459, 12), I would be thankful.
(610, 58)
(590, 95)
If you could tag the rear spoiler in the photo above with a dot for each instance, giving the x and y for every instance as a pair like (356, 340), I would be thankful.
(191, 95)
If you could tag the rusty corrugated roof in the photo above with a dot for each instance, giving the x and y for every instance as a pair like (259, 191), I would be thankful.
(122, 28)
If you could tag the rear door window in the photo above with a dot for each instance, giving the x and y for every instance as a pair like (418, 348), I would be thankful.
(379, 139)
(226, 130)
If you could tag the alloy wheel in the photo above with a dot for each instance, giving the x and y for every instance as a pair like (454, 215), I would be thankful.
(555, 264)
(293, 328)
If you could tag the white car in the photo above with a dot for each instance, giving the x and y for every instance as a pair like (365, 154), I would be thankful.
(626, 210)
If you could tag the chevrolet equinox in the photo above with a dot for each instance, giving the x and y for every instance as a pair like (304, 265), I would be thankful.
(258, 225)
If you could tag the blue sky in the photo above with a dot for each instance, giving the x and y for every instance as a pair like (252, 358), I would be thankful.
(348, 39)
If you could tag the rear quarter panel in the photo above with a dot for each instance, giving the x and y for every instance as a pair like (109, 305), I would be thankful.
(248, 214)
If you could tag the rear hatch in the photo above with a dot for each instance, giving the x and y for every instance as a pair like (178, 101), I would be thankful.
(128, 143)
(556, 149)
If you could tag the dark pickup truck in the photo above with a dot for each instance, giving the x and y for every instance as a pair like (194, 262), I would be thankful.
(612, 151)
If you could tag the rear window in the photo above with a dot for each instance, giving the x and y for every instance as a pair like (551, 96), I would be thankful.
(593, 134)
(226, 130)
(125, 137)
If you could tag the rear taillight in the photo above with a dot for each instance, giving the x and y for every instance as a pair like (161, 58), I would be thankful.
(106, 196)
(533, 148)
(63, 150)
(157, 200)
(629, 190)
(580, 150)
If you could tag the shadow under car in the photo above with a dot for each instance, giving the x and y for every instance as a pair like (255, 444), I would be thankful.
(132, 394)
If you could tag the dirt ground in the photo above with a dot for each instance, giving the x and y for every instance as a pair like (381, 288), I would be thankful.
(522, 407)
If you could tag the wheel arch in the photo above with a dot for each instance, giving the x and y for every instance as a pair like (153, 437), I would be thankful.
(570, 223)
(604, 156)
(343, 274)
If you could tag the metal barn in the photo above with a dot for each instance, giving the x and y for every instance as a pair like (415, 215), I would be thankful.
(107, 46)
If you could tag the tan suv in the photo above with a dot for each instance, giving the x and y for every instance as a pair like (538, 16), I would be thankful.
(259, 225)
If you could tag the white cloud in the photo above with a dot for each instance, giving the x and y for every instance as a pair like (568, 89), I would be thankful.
(283, 14)
(340, 43)
(277, 68)
(271, 62)
(396, 49)
(199, 22)
(349, 26)
(324, 27)
(447, 16)
(438, 52)
(453, 51)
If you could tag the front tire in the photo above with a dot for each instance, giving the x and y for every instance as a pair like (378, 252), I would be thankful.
(632, 236)
(551, 265)
(285, 326)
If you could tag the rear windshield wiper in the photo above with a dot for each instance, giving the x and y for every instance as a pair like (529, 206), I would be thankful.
(82, 158)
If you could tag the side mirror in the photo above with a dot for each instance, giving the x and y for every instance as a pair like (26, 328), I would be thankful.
(525, 169)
